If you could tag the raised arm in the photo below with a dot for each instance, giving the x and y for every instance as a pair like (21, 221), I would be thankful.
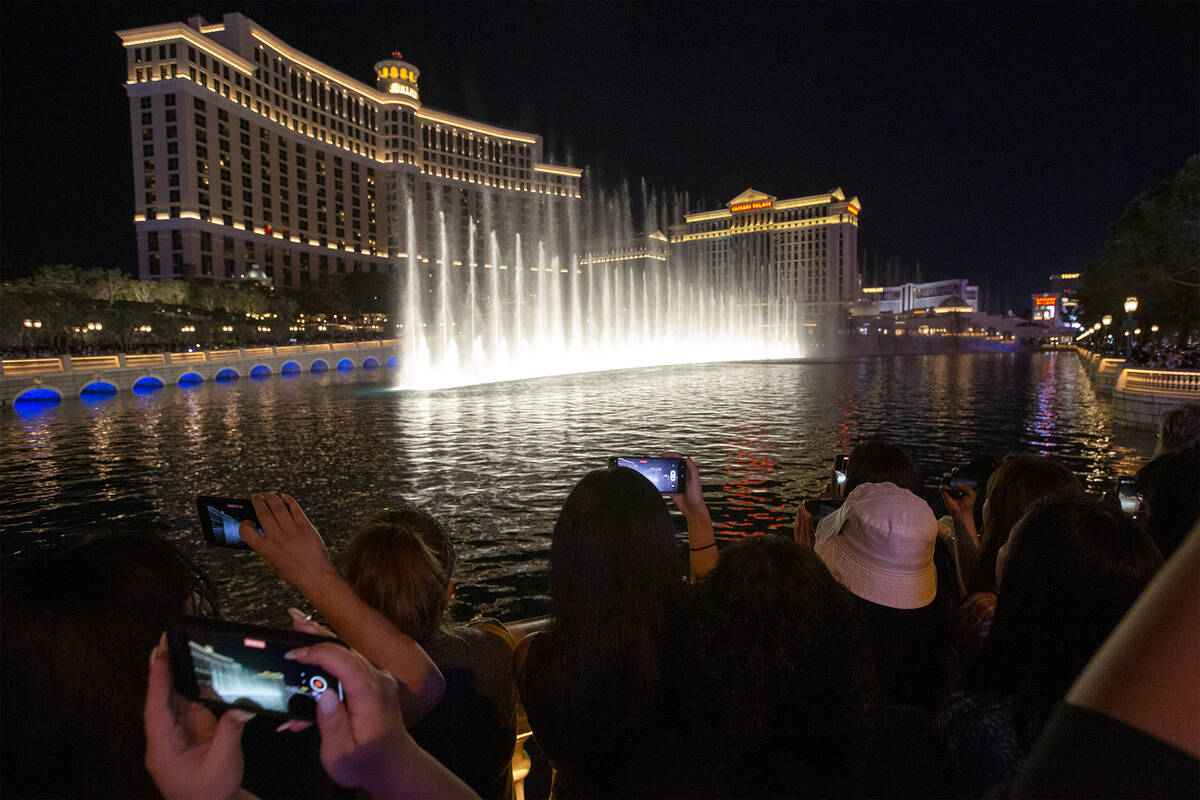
(702, 541)
(966, 538)
(293, 548)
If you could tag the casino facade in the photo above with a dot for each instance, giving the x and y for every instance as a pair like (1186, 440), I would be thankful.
(251, 158)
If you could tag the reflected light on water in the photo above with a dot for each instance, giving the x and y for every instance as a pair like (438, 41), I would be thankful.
(496, 461)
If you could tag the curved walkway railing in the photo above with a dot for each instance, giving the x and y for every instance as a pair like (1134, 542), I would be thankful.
(66, 364)
(1180, 383)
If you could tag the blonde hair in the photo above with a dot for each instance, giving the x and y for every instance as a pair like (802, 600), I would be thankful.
(396, 573)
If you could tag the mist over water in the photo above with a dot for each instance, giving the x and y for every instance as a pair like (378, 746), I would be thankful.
(496, 461)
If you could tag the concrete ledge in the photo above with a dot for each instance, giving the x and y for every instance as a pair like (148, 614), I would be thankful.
(58, 376)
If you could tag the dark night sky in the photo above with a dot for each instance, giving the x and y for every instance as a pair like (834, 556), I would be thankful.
(994, 142)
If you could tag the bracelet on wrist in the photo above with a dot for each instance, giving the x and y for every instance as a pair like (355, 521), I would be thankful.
(698, 549)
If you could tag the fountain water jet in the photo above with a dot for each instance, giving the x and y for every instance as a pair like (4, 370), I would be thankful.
(631, 308)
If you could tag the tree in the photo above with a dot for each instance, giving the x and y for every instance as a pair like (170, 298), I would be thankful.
(1153, 253)
(108, 285)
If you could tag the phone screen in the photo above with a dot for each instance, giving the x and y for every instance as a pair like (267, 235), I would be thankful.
(821, 508)
(221, 517)
(839, 468)
(1128, 495)
(230, 665)
(667, 474)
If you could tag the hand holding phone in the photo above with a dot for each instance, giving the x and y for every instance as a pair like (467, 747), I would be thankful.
(819, 507)
(188, 753)
(229, 665)
(669, 475)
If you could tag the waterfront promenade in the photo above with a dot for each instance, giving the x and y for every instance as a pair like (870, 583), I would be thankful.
(1139, 396)
(62, 377)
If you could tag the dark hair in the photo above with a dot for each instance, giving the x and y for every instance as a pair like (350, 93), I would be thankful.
(1179, 428)
(394, 571)
(882, 462)
(1012, 488)
(616, 581)
(779, 649)
(78, 626)
(914, 650)
(1170, 484)
(1074, 568)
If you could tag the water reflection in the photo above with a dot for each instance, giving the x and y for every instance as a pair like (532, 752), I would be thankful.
(497, 461)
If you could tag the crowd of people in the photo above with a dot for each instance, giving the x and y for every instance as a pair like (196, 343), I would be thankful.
(1029, 642)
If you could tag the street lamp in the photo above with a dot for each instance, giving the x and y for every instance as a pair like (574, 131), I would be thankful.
(1131, 304)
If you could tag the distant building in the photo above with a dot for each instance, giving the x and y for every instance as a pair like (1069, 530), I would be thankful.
(1060, 303)
(922, 296)
(248, 153)
(803, 250)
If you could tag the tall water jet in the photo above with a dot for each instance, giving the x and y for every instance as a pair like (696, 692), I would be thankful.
(525, 302)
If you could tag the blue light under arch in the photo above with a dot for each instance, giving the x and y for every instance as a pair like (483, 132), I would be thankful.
(345, 364)
(393, 362)
(98, 389)
(39, 396)
(290, 368)
(319, 366)
(227, 374)
(147, 384)
(370, 362)
(190, 379)
(260, 372)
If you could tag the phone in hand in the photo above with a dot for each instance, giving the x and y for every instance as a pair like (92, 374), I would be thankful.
(233, 665)
(669, 475)
(821, 507)
(1128, 496)
(959, 481)
(221, 517)
(840, 462)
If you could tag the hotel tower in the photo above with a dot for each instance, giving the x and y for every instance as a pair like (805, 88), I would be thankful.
(251, 158)
(803, 250)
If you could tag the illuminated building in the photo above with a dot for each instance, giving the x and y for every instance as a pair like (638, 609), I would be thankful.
(804, 249)
(921, 296)
(250, 156)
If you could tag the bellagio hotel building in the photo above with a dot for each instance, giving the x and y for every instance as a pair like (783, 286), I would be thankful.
(252, 158)
(801, 249)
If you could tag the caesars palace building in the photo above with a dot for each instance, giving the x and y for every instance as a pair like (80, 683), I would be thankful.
(250, 156)
(252, 159)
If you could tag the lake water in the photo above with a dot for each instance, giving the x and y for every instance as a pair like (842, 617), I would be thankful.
(496, 462)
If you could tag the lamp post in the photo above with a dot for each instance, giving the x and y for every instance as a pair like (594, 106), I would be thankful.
(1131, 304)
(1106, 320)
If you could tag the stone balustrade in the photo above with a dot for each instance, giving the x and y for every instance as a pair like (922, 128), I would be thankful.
(51, 379)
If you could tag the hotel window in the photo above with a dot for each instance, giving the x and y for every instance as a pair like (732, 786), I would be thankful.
(169, 99)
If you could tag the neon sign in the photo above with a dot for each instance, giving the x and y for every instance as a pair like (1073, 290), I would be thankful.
(1048, 300)
(751, 206)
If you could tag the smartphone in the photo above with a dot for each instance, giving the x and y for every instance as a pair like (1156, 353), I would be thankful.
(669, 475)
(839, 468)
(1128, 496)
(958, 480)
(220, 518)
(821, 507)
(232, 665)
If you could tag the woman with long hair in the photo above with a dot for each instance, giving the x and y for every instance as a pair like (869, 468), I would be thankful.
(597, 684)
(1070, 570)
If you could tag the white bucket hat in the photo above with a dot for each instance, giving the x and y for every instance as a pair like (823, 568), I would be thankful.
(879, 545)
